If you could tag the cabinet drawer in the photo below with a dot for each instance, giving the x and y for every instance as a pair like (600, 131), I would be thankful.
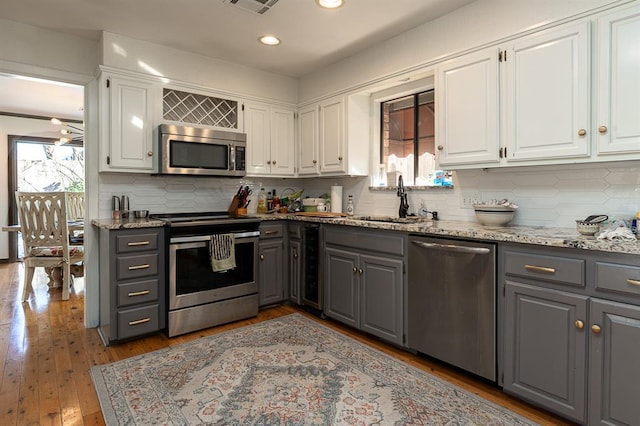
(134, 322)
(136, 242)
(140, 265)
(137, 292)
(271, 231)
(618, 278)
(563, 270)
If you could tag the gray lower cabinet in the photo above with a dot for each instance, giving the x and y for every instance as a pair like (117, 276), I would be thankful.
(614, 363)
(545, 358)
(295, 262)
(566, 347)
(132, 283)
(271, 265)
(364, 280)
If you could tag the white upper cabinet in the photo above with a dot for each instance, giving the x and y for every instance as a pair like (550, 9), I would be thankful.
(332, 135)
(526, 101)
(617, 121)
(547, 95)
(126, 134)
(468, 109)
(270, 140)
(308, 135)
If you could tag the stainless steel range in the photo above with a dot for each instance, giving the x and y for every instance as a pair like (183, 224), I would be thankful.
(200, 297)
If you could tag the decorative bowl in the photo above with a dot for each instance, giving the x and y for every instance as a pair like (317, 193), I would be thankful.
(492, 216)
(587, 228)
(140, 214)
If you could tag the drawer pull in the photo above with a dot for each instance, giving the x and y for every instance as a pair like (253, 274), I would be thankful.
(138, 243)
(534, 268)
(136, 267)
(140, 321)
(138, 293)
(270, 232)
(633, 282)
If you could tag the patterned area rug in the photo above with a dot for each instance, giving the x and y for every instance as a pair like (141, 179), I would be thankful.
(286, 371)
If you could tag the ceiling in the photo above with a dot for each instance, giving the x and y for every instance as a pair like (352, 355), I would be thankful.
(312, 37)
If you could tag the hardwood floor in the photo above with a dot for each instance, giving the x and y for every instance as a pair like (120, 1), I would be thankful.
(46, 353)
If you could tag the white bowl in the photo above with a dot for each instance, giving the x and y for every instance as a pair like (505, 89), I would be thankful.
(494, 218)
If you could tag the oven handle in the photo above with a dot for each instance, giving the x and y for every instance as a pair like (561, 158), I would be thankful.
(198, 238)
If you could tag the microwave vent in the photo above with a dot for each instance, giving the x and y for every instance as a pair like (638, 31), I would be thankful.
(255, 6)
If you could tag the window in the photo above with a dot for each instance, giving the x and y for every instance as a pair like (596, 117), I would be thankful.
(407, 142)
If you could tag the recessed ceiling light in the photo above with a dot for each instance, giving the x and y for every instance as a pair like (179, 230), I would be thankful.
(330, 4)
(269, 40)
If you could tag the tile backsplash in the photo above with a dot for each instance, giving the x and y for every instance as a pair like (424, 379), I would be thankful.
(547, 195)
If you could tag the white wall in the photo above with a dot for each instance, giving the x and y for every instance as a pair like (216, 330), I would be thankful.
(481, 22)
(25, 45)
(149, 58)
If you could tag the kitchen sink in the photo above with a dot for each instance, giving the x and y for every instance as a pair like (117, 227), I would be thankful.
(390, 219)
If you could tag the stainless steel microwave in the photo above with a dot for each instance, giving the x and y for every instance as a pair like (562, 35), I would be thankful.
(201, 152)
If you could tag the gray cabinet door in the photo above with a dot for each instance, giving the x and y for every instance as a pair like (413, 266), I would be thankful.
(295, 273)
(614, 363)
(270, 272)
(381, 295)
(342, 292)
(545, 348)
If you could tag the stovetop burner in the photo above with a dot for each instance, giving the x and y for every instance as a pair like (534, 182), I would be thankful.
(201, 218)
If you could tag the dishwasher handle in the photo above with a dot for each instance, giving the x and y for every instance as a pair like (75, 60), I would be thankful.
(452, 247)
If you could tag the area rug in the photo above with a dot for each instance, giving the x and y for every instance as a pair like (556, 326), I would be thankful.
(286, 371)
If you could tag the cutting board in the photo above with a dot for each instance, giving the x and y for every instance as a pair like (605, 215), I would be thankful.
(320, 214)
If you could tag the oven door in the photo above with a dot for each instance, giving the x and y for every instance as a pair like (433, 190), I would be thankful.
(192, 281)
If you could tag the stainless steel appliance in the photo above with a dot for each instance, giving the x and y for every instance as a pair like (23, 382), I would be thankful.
(201, 152)
(199, 297)
(452, 302)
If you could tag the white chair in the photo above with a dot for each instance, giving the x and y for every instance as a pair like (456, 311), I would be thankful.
(45, 235)
(75, 205)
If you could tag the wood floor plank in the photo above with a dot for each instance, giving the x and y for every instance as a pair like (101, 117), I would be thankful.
(46, 354)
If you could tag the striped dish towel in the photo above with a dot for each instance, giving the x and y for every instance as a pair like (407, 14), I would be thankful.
(222, 251)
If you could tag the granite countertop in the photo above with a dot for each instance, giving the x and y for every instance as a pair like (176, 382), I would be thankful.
(131, 223)
(537, 235)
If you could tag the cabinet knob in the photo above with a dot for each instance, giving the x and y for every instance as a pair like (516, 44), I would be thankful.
(269, 162)
(295, 255)
(355, 269)
(582, 132)
(315, 161)
(579, 325)
(596, 329)
(274, 163)
(150, 154)
(360, 271)
(440, 147)
(262, 257)
(340, 158)
(602, 129)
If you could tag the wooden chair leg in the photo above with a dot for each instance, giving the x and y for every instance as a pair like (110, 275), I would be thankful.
(28, 278)
(66, 280)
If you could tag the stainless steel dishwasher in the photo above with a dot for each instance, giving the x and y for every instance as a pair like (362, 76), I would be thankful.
(452, 302)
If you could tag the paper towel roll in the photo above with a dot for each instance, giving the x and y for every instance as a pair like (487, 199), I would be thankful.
(336, 199)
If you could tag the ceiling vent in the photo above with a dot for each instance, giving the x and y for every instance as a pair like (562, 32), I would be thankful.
(255, 6)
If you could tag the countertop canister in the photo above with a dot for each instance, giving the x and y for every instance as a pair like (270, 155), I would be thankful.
(336, 199)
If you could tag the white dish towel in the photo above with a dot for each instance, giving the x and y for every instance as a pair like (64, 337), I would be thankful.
(222, 251)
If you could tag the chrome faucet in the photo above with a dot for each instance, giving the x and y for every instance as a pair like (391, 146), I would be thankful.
(404, 204)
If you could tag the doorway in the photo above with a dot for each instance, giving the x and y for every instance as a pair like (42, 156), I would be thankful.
(40, 164)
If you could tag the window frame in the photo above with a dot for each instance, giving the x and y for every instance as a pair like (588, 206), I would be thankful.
(420, 85)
